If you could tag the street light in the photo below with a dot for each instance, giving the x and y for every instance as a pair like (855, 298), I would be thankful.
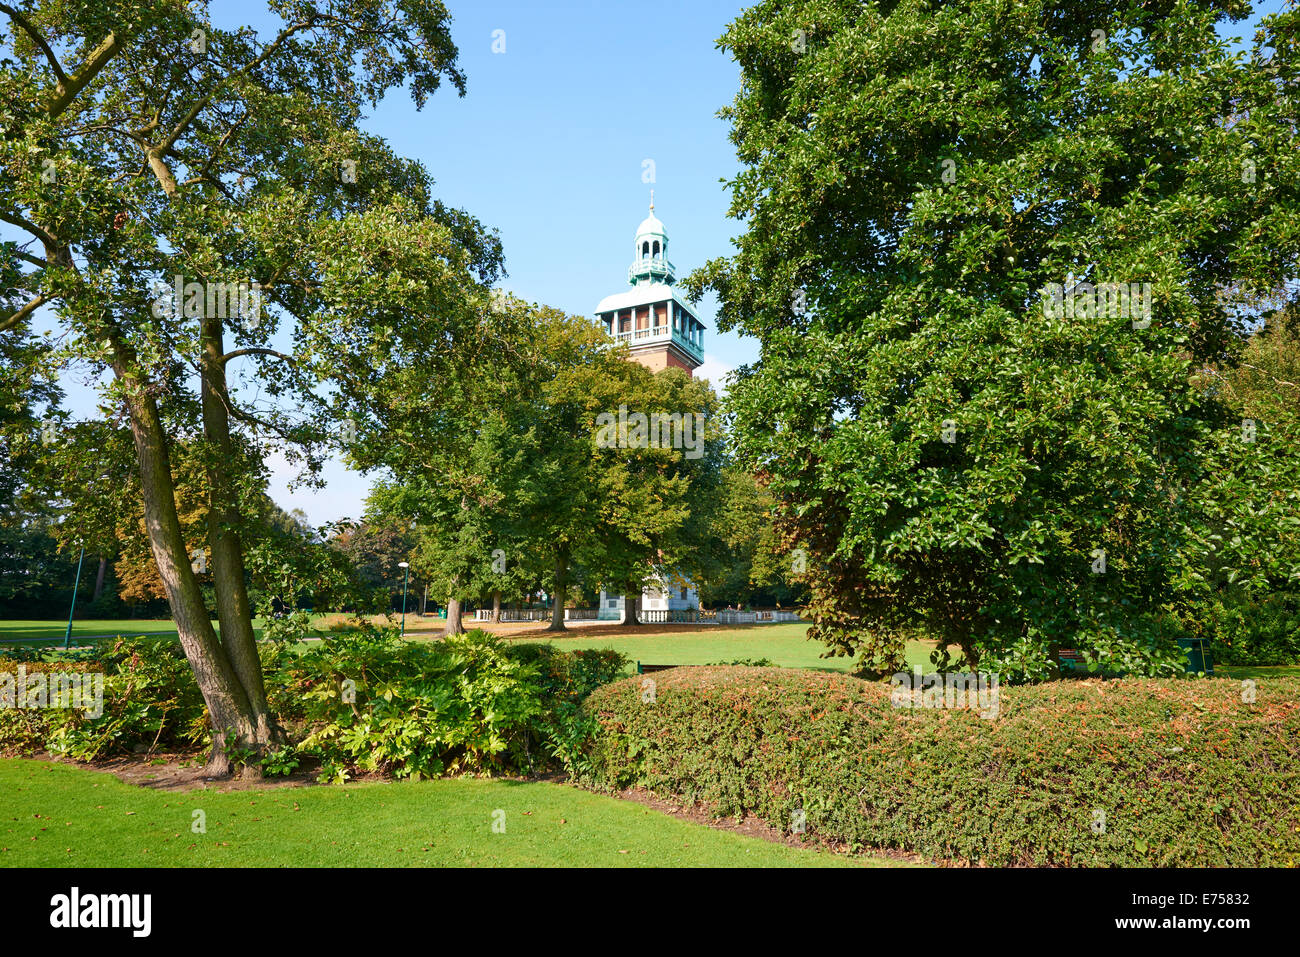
(67, 635)
(406, 576)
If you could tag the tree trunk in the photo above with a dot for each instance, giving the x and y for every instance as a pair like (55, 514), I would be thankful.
(99, 579)
(424, 600)
(227, 702)
(233, 608)
(454, 624)
(632, 611)
(558, 586)
(496, 606)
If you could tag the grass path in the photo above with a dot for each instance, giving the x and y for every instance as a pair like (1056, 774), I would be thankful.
(56, 815)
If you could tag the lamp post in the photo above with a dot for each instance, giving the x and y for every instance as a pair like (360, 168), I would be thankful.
(406, 577)
(67, 635)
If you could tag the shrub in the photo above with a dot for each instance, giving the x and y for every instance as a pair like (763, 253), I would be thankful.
(1251, 631)
(1184, 771)
(566, 679)
(569, 675)
(22, 654)
(375, 703)
(22, 729)
(367, 702)
(150, 701)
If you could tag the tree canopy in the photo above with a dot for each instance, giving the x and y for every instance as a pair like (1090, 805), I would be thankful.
(526, 489)
(986, 247)
(233, 259)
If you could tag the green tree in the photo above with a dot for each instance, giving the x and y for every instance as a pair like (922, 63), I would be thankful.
(450, 539)
(375, 547)
(521, 489)
(748, 564)
(501, 498)
(1243, 565)
(145, 150)
(33, 580)
(965, 441)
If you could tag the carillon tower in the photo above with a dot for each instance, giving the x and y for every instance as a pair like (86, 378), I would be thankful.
(662, 333)
(659, 328)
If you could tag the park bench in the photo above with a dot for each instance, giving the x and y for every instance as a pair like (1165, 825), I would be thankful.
(647, 669)
(1071, 660)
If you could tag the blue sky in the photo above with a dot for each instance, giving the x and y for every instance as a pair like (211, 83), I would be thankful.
(550, 142)
(549, 147)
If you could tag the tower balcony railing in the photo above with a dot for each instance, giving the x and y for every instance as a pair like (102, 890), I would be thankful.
(653, 265)
(664, 332)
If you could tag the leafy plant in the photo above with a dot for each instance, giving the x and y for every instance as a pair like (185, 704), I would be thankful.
(280, 761)
(376, 704)
(150, 701)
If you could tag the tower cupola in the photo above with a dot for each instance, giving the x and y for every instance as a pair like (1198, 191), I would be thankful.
(650, 257)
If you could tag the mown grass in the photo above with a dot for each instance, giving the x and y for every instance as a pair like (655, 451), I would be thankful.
(54, 630)
(785, 645)
(45, 631)
(55, 815)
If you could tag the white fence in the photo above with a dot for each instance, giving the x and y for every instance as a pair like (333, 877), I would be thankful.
(755, 617)
(675, 616)
(535, 614)
(648, 617)
(515, 614)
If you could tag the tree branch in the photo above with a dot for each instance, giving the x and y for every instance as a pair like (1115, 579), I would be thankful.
(39, 40)
(207, 98)
(1266, 373)
(34, 260)
(253, 420)
(13, 219)
(9, 322)
(256, 352)
(67, 92)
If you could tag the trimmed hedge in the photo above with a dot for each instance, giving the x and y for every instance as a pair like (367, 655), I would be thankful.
(1186, 773)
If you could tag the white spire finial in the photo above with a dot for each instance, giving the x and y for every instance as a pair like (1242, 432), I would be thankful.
(652, 201)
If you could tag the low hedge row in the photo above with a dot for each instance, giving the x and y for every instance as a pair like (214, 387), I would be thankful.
(1168, 772)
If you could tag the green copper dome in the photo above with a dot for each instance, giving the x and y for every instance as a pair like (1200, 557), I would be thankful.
(651, 252)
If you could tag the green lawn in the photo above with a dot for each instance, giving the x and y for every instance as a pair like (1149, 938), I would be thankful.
(784, 644)
(53, 630)
(1256, 671)
(55, 815)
